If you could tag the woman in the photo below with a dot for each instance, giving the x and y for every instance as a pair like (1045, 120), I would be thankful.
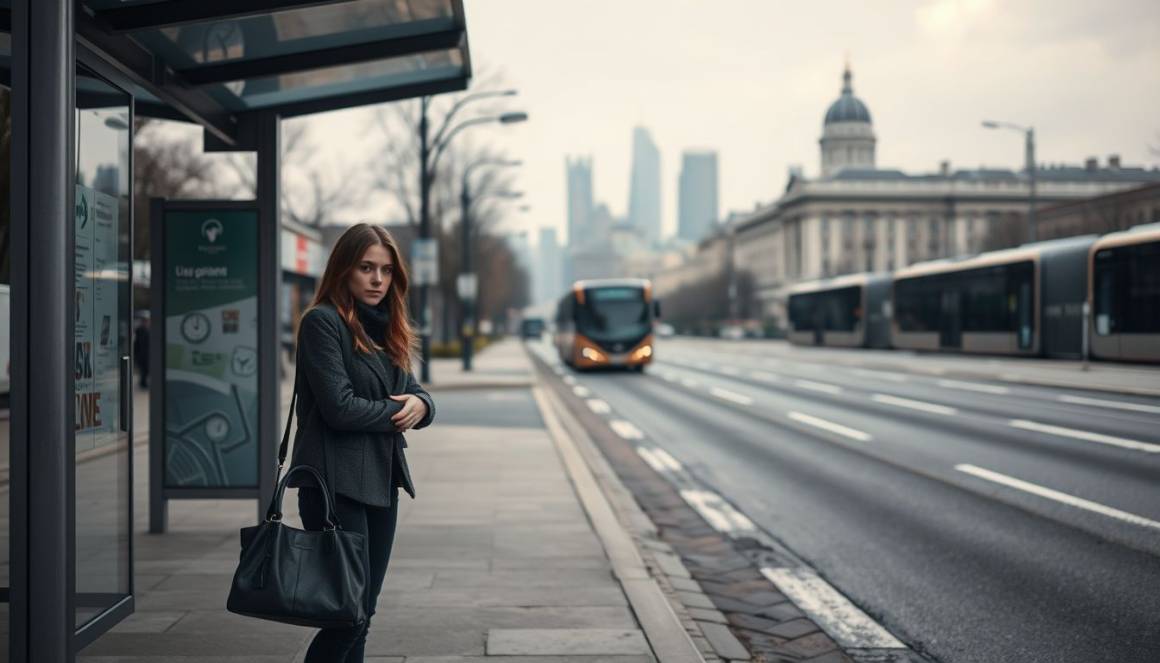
(356, 396)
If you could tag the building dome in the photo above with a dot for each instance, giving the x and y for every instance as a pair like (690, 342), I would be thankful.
(847, 108)
(847, 134)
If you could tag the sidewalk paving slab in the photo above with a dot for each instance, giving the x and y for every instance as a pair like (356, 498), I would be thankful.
(497, 555)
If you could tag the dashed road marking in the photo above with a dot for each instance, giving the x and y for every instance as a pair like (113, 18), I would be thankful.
(720, 514)
(569, 380)
(730, 370)
(581, 391)
(1064, 498)
(834, 613)
(666, 458)
(659, 459)
(818, 386)
(1118, 405)
(626, 429)
(733, 396)
(883, 375)
(912, 404)
(598, 406)
(1088, 436)
(689, 382)
(974, 386)
(764, 376)
(817, 422)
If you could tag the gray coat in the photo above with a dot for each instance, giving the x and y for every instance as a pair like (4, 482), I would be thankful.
(344, 404)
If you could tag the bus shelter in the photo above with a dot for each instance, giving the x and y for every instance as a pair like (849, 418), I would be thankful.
(75, 75)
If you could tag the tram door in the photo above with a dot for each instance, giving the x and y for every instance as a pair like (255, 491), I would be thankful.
(951, 320)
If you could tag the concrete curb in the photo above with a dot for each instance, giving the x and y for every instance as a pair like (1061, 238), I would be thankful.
(668, 638)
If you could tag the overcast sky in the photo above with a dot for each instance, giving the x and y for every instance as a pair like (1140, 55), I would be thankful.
(752, 79)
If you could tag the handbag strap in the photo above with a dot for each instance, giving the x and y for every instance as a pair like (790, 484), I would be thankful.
(283, 450)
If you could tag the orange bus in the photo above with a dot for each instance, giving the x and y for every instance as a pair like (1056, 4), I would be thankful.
(607, 323)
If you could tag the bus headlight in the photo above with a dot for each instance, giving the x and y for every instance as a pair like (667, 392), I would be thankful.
(643, 352)
(592, 354)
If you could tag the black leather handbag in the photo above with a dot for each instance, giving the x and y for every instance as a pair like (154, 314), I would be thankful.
(304, 577)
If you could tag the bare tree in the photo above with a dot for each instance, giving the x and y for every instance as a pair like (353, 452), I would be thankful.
(167, 167)
(309, 196)
(395, 176)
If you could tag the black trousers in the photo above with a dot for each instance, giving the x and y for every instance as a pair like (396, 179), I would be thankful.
(378, 525)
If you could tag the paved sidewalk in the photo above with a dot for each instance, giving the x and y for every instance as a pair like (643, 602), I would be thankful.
(495, 560)
(501, 364)
(1136, 379)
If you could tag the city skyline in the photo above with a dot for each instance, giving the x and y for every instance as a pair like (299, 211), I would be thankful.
(700, 79)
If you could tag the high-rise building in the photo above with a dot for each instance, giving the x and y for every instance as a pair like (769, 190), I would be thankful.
(697, 195)
(644, 196)
(549, 283)
(579, 199)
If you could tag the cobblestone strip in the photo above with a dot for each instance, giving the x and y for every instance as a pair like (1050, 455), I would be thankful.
(732, 611)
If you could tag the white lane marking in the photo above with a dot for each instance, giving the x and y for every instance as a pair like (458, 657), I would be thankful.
(818, 386)
(1070, 500)
(1087, 436)
(689, 382)
(650, 457)
(598, 406)
(669, 377)
(835, 614)
(626, 429)
(569, 380)
(763, 376)
(830, 426)
(730, 370)
(1118, 405)
(664, 456)
(914, 405)
(720, 514)
(974, 386)
(581, 391)
(880, 375)
(725, 394)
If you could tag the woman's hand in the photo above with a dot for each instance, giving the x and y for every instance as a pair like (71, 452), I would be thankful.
(414, 409)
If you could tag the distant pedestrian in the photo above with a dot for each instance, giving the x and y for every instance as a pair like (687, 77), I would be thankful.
(141, 351)
(356, 396)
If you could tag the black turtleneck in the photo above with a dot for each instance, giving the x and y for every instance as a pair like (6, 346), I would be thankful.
(374, 320)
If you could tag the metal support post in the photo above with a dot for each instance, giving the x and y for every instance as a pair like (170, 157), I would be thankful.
(158, 504)
(1032, 233)
(269, 193)
(424, 233)
(467, 329)
(43, 483)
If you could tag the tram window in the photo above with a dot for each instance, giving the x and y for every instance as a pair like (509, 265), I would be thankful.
(1139, 288)
(844, 309)
(1105, 292)
(985, 306)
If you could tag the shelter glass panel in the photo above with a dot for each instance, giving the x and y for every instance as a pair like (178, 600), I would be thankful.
(345, 79)
(101, 345)
(298, 30)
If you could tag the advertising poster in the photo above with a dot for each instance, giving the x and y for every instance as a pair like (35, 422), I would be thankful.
(211, 354)
(96, 365)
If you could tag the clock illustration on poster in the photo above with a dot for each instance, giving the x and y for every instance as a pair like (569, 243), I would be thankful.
(195, 327)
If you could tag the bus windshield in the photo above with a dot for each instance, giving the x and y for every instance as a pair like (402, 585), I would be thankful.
(613, 314)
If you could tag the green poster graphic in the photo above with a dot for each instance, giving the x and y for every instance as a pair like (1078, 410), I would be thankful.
(211, 348)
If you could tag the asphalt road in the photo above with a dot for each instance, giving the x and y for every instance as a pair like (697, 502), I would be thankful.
(978, 521)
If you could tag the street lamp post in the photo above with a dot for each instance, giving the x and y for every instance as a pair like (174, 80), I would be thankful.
(1029, 156)
(430, 149)
(468, 281)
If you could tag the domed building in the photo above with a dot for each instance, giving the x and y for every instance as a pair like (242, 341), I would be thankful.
(847, 133)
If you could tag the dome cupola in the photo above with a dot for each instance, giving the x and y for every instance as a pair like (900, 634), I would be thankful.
(847, 134)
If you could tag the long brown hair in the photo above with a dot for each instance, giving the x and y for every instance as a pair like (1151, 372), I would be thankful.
(401, 341)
